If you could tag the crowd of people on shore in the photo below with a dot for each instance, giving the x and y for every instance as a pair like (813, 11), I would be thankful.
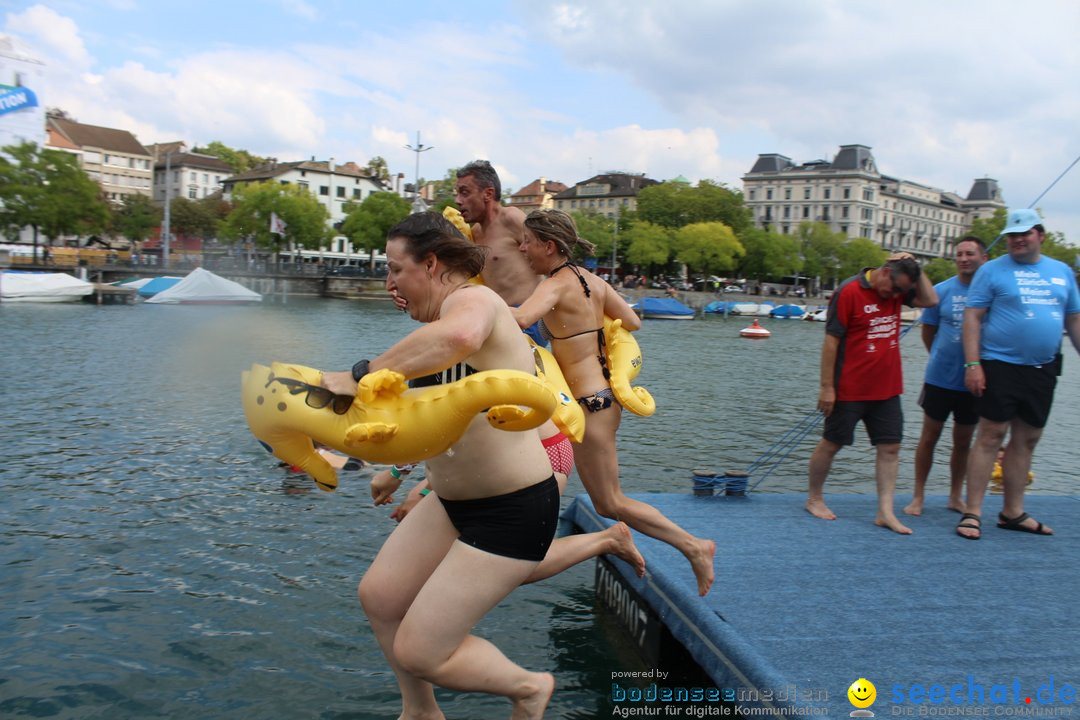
(483, 521)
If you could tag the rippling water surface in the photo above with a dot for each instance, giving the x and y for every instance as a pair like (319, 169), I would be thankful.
(154, 564)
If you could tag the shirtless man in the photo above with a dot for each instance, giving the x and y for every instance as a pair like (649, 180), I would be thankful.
(498, 228)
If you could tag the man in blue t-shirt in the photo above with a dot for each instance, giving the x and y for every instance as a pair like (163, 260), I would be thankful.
(1017, 307)
(943, 390)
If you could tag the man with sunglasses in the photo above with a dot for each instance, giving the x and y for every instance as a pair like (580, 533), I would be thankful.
(1018, 306)
(861, 376)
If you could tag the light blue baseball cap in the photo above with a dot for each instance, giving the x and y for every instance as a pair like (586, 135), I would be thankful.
(1020, 221)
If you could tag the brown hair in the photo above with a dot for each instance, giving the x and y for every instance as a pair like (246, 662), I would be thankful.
(429, 233)
(558, 227)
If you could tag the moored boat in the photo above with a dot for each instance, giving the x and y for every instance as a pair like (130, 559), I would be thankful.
(42, 287)
(664, 309)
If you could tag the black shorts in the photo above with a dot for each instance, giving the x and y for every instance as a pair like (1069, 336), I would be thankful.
(519, 525)
(884, 421)
(938, 402)
(1017, 391)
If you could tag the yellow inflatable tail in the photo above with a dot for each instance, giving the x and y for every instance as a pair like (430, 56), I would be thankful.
(386, 422)
(624, 362)
(568, 416)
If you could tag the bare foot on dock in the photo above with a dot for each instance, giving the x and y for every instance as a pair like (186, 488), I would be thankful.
(701, 561)
(819, 509)
(914, 507)
(621, 545)
(892, 523)
(531, 707)
(956, 505)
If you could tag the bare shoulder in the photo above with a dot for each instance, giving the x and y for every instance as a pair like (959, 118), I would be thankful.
(512, 219)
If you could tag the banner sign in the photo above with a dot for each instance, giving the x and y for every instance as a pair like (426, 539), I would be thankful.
(17, 99)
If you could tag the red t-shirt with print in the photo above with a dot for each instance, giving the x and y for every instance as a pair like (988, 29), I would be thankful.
(868, 359)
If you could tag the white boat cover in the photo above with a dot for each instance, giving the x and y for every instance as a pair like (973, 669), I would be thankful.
(42, 287)
(204, 287)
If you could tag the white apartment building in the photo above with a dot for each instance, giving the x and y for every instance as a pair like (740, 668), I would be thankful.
(852, 196)
(333, 188)
(186, 174)
(22, 113)
(113, 158)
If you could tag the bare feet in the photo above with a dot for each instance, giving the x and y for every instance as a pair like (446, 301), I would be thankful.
(819, 509)
(701, 561)
(621, 545)
(914, 507)
(890, 521)
(956, 505)
(531, 707)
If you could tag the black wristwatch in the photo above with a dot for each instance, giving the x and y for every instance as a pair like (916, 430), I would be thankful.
(360, 369)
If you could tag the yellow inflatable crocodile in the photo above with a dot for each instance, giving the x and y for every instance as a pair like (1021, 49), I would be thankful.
(386, 422)
(624, 363)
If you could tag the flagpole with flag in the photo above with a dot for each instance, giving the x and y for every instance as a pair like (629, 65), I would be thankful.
(277, 225)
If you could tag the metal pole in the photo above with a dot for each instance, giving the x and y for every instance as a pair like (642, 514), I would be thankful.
(165, 221)
(614, 245)
(418, 149)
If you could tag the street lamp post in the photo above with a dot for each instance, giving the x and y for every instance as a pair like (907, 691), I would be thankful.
(165, 220)
(419, 148)
(614, 246)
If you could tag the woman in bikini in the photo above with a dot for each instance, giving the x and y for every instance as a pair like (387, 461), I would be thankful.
(571, 303)
(494, 509)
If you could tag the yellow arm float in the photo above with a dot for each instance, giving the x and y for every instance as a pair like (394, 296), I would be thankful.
(387, 422)
(568, 416)
(454, 215)
(624, 363)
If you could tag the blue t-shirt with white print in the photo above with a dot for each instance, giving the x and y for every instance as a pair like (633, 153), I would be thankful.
(945, 369)
(1027, 305)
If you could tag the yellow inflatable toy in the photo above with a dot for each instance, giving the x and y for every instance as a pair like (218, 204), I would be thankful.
(568, 416)
(624, 364)
(287, 408)
(454, 215)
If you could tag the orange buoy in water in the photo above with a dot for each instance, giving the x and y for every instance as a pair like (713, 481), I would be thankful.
(754, 331)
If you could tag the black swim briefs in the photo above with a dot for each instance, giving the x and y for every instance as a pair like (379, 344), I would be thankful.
(519, 525)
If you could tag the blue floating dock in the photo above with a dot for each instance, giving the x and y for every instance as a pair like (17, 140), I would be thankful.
(801, 608)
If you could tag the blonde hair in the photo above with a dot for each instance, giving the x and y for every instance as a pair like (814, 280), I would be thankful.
(558, 227)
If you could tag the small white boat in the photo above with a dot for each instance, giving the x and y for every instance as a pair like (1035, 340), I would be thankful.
(744, 309)
(754, 331)
(818, 315)
(42, 287)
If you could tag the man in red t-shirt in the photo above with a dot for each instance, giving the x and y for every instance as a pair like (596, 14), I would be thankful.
(861, 376)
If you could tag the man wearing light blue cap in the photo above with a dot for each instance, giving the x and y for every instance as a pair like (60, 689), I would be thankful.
(1016, 310)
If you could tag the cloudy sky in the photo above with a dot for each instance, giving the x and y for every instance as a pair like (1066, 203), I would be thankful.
(944, 92)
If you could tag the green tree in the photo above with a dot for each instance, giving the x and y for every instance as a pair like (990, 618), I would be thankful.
(988, 230)
(48, 191)
(646, 244)
(136, 217)
(675, 205)
(378, 168)
(939, 269)
(367, 223)
(192, 218)
(444, 189)
(239, 160)
(597, 229)
(305, 217)
(858, 254)
(820, 248)
(769, 255)
(709, 247)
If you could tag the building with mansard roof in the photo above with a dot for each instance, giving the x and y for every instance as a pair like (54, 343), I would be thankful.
(853, 197)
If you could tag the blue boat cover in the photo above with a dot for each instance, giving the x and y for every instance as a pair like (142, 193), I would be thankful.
(788, 311)
(157, 285)
(663, 306)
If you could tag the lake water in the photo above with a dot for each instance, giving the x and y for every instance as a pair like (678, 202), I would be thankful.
(154, 564)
